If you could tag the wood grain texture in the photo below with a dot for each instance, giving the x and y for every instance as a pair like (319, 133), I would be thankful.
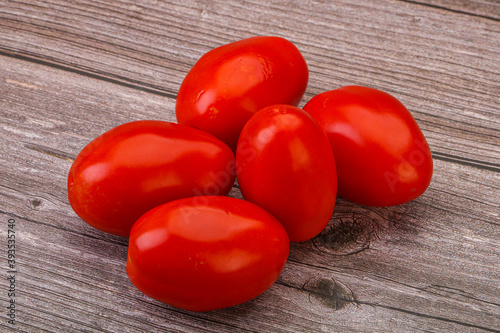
(403, 48)
(72, 70)
(488, 9)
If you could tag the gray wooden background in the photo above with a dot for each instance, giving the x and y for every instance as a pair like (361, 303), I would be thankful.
(70, 70)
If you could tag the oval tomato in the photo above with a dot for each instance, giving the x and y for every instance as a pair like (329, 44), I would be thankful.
(230, 83)
(381, 154)
(285, 165)
(206, 253)
(139, 165)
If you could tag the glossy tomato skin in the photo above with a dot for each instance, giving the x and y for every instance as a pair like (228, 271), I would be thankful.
(136, 166)
(382, 156)
(206, 253)
(230, 83)
(285, 165)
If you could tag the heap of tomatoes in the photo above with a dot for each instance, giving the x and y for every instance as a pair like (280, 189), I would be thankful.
(164, 185)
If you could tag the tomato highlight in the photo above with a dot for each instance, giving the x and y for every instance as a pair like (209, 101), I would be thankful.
(228, 84)
(206, 253)
(285, 164)
(137, 166)
(382, 156)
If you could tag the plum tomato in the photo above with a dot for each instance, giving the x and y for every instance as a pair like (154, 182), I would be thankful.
(284, 163)
(139, 165)
(382, 156)
(228, 84)
(206, 253)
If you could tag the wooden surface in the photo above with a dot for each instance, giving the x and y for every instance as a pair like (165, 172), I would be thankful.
(70, 70)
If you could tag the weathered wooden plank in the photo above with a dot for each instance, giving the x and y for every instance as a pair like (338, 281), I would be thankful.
(443, 67)
(428, 265)
(65, 270)
(489, 9)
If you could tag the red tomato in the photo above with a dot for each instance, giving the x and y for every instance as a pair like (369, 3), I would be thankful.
(139, 165)
(230, 83)
(285, 165)
(206, 253)
(381, 154)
